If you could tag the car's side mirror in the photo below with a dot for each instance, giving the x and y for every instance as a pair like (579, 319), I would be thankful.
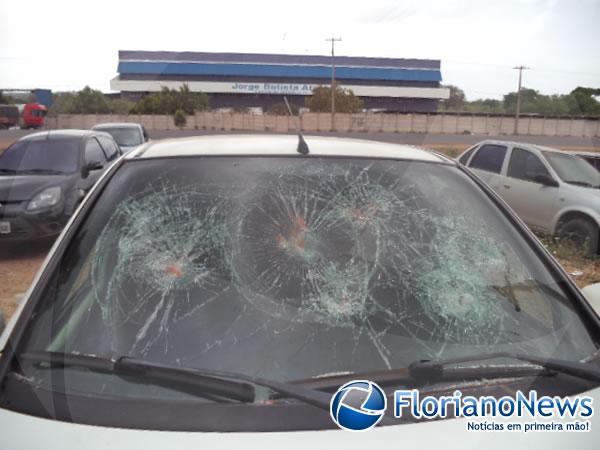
(545, 179)
(2, 322)
(90, 166)
(592, 293)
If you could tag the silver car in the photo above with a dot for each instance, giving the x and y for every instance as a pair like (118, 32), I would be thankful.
(128, 135)
(551, 190)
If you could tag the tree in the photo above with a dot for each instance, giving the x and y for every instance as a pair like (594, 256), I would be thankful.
(529, 101)
(86, 101)
(62, 103)
(121, 106)
(487, 105)
(168, 101)
(5, 100)
(584, 101)
(90, 101)
(456, 101)
(345, 100)
(179, 119)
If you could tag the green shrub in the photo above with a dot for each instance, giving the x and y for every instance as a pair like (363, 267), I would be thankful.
(180, 119)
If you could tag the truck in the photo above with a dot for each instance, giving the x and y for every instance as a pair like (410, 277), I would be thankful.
(9, 116)
(27, 115)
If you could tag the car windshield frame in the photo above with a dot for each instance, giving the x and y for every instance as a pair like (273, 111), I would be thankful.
(502, 212)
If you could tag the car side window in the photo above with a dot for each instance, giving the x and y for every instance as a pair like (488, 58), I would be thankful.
(524, 165)
(465, 158)
(489, 158)
(93, 151)
(109, 146)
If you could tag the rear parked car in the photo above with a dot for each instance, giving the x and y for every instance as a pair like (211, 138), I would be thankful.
(129, 136)
(44, 176)
(552, 191)
(591, 157)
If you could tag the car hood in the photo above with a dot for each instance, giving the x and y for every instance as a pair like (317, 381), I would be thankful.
(450, 433)
(23, 187)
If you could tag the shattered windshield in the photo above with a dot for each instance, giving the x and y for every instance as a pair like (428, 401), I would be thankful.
(298, 267)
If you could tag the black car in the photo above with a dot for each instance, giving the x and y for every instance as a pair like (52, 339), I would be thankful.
(44, 176)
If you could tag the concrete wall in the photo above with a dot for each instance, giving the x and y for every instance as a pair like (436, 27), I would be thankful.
(364, 122)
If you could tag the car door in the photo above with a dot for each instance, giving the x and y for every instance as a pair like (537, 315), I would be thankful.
(488, 162)
(534, 201)
(93, 152)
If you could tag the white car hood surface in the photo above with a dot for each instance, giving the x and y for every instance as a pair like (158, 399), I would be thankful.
(20, 431)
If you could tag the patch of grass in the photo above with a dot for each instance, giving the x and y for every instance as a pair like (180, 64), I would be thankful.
(583, 270)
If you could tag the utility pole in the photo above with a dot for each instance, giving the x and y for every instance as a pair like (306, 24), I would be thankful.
(520, 68)
(333, 41)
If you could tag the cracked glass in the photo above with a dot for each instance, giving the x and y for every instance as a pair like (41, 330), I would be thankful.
(291, 268)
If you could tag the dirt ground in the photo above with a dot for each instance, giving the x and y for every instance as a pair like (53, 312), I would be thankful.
(18, 266)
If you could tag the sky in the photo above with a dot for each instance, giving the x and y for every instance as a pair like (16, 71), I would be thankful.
(65, 45)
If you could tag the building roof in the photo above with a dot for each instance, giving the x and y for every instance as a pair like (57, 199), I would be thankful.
(281, 145)
(276, 66)
(267, 58)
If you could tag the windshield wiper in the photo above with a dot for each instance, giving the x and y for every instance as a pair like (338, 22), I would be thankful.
(8, 171)
(425, 371)
(229, 385)
(433, 370)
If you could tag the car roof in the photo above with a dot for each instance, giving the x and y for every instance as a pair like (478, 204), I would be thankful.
(253, 145)
(116, 125)
(523, 144)
(57, 134)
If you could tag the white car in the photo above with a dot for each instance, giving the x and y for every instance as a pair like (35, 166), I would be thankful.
(553, 191)
(214, 292)
(128, 135)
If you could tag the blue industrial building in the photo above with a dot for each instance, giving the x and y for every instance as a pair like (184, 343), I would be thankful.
(234, 80)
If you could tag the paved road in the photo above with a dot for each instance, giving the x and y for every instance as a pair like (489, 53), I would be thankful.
(412, 139)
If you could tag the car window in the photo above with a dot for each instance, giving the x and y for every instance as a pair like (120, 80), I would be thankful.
(465, 158)
(60, 155)
(525, 165)
(489, 158)
(125, 136)
(93, 151)
(109, 146)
